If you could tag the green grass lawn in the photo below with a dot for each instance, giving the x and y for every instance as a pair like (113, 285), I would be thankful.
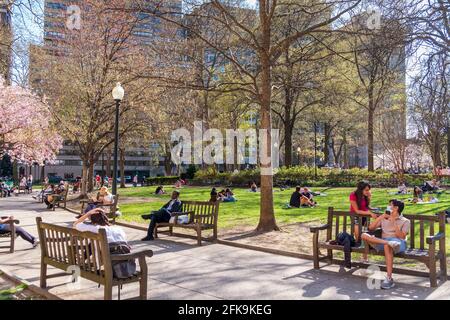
(246, 210)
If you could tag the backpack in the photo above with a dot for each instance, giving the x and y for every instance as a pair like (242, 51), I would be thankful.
(122, 269)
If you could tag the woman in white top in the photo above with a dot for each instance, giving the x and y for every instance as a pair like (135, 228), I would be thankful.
(100, 220)
(104, 196)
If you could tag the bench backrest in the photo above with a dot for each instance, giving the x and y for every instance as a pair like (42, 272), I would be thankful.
(63, 247)
(208, 210)
(421, 226)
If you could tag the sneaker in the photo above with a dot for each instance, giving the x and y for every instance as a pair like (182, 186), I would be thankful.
(146, 216)
(387, 284)
(394, 245)
(35, 243)
(148, 239)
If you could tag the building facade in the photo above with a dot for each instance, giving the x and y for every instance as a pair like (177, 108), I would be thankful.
(5, 40)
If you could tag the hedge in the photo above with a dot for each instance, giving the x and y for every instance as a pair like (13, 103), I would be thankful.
(305, 176)
(156, 181)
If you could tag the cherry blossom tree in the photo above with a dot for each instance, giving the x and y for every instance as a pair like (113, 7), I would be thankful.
(26, 133)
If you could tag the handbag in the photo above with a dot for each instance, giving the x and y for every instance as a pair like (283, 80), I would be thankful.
(122, 269)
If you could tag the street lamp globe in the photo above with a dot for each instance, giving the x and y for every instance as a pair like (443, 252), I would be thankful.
(118, 92)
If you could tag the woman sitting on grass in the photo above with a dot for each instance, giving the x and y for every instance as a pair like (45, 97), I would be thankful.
(229, 196)
(253, 187)
(307, 199)
(160, 191)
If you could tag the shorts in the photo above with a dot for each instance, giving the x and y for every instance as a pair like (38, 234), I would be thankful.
(402, 248)
(364, 220)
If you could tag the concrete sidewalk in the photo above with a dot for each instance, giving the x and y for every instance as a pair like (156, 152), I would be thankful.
(181, 270)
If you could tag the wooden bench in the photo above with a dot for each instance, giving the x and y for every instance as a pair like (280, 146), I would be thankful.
(202, 216)
(112, 208)
(60, 198)
(427, 249)
(63, 247)
(10, 234)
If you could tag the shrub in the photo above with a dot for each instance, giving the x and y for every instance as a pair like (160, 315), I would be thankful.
(156, 181)
(306, 176)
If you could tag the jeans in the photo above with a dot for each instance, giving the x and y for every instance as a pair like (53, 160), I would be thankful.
(20, 232)
(162, 215)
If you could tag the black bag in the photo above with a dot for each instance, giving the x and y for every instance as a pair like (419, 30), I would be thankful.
(122, 269)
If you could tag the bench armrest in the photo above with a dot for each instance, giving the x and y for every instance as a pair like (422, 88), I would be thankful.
(317, 229)
(133, 255)
(12, 221)
(436, 237)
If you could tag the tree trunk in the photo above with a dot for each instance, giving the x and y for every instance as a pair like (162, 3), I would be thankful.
(448, 146)
(122, 168)
(326, 147)
(43, 173)
(267, 215)
(288, 128)
(288, 145)
(108, 164)
(370, 143)
(84, 179)
(90, 185)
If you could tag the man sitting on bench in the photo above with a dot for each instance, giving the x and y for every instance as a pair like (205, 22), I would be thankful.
(394, 229)
(162, 215)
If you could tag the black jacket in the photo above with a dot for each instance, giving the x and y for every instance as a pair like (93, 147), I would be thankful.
(295, 200)
(176, 207)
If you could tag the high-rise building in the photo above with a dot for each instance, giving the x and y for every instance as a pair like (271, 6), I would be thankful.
(58, 17)
(5, 40)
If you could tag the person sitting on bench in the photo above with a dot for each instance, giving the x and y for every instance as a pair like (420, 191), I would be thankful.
(162, 215)
(5, 228)
(104, 196)
(99, 219)
(295, 198)
(394, 229)
(5, 190)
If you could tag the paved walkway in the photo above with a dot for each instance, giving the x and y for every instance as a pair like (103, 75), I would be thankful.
(181, 270)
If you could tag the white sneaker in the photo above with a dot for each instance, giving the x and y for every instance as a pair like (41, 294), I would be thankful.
(35, 243)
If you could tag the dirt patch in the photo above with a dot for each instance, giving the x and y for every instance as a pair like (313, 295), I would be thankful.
(292, 237)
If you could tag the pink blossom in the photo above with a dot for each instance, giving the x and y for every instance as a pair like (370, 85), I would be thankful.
(25, 130)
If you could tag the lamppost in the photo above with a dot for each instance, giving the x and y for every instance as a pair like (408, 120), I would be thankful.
(117, 93)
(298, 155)
(315, 150)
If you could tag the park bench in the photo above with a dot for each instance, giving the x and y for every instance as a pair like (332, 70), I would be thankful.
(63, 248)
(10, 234)
(59, 198)
(111, 209)
(426, 249)
(202, 216)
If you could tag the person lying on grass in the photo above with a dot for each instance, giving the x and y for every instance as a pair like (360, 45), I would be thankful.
(394, 229)
(6, 228)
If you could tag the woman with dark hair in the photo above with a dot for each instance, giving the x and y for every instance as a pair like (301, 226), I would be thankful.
(360, 204)
(99, 219)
